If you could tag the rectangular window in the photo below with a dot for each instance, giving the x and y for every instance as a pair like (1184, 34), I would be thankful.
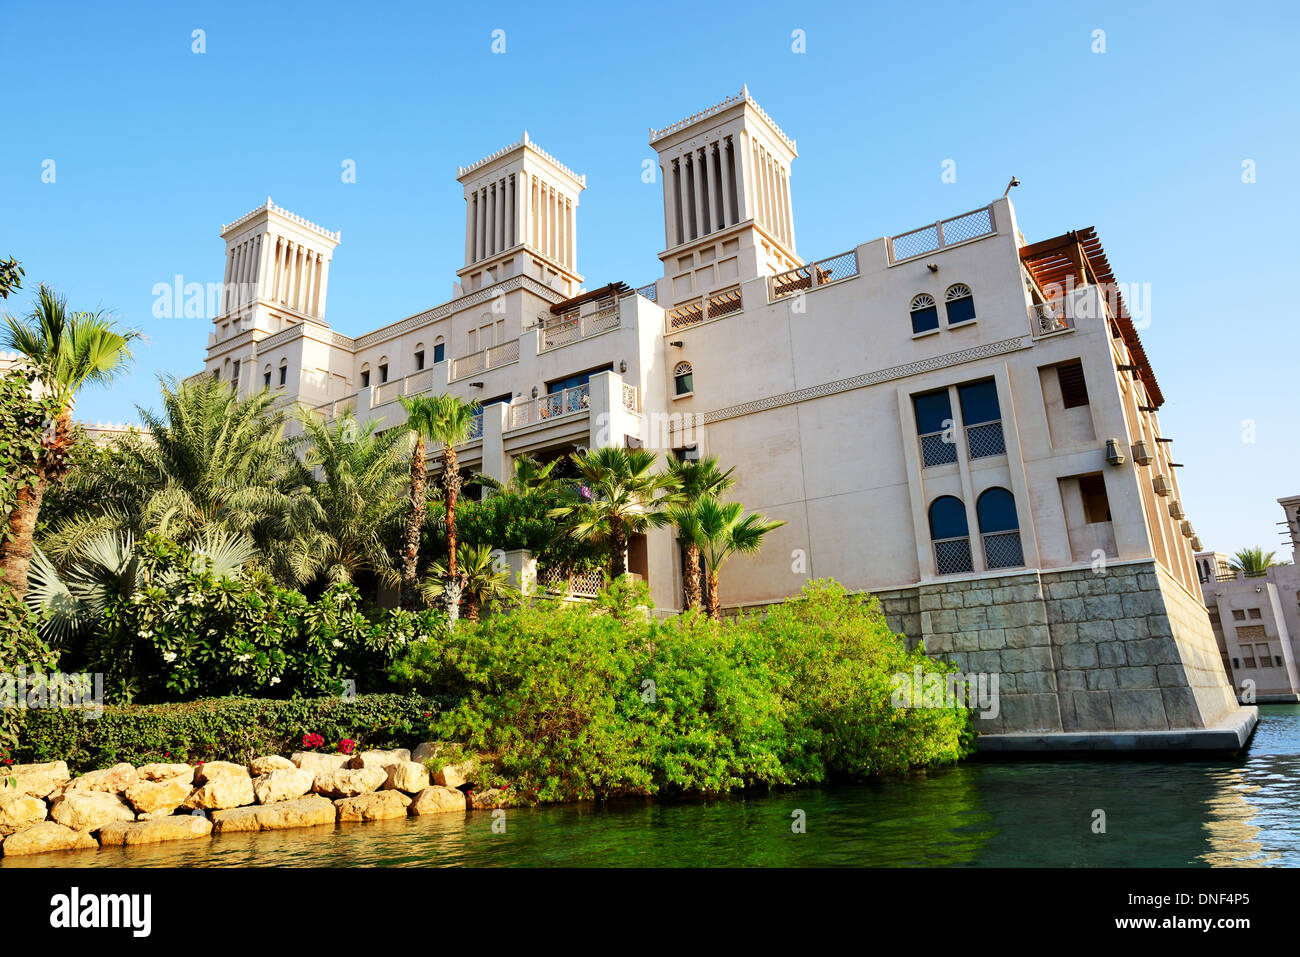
(365, 379)
(1236, 662)
(1249, 657)
(1096, 506)
(1238, 615)
(573, 381)
(925, 319)
(1253, 613)
(1265, 659)
(419, 361)
(439, 353)
(1278, 660)
(979, 402)
(383, 374)
(1074, 391)
(234, 373)
(284, 374)
(935, 427)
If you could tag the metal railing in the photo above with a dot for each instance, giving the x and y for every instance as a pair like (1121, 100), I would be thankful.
(937, 448)
(976, 224)
(714, 306)
(476, 427)
(544, 407)
(556, 581)
(490, 358)
(985, 439)
(1047, 319)
(823, 272)
(650, 291)
(1003, 550)
(570, 327)
(952, 556)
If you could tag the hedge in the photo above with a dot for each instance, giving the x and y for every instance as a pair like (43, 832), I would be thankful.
(221, 729)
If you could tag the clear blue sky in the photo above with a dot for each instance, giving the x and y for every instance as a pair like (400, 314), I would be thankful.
(156, 146)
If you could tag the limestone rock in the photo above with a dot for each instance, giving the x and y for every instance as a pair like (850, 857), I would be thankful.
(407, 776)
(114, 780)
(309, 811)
(454, 775)
(426, 750)
(376, 806)
(214, 771)
(182, 827)
(259, 766)
(379, 759)
(314, 761)
(348, 783)
(166, 772)
(225, 790)
(438, 800)
(47, 836)
(39, 780)
(89, 810)
(158, 796)
(485, 800)
(19, 810)
(282, 785)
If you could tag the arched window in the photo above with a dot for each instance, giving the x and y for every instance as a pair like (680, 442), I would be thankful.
(419, 356)
(684, 378)
(999, 528)
(383, 369)
(284, 371)
(951, 535)
(959, 304)
(365, 375)
(925, 314)
(266, 377)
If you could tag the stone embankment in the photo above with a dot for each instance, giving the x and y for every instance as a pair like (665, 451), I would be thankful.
(50, 810)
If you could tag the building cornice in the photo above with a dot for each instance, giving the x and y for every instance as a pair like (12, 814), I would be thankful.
(739, 98)
(526, 143)
(269, 206)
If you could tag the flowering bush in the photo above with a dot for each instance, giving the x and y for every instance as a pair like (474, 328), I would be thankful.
(311, 741)
(185, 633)
(346, 745)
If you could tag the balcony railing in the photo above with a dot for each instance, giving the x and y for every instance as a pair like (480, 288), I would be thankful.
(545, 407)
(629, 397)
(976, 224)
(490, 358)
(952, 556)
(650, 291)
(714, 306)
(812, 275)
(570, 327)
(938, 448)
(1003, 550)
(476, 427)
(1047, 319)
(985, 439)
(556, 581)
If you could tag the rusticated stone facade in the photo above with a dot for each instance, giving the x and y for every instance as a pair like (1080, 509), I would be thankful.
(1125, 648)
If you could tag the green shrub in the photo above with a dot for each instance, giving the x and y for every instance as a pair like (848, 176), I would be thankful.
(577, 702)
(229, 729)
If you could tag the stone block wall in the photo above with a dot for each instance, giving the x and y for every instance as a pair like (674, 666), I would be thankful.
(1124, 648)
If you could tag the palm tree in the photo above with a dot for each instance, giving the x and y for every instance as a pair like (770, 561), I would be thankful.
(208, 460)
(723, 531)
(358, 497)
(695, 480)
(1253, 562)
(449, 420)
(528, 478)
(616, 498)
(66, 350)
(484, 582)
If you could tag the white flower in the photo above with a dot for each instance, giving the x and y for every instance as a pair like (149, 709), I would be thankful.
(169, 657)
(337, 643)
(243, 657)
(275, 681)
(146, 633)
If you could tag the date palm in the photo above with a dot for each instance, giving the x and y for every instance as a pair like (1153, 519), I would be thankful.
(449, 421)
(1253, 562)
(484, 581)
(618, 494)
(67, 350)
(528, 478)
(356, 480)
(723, 531)
(695, 479)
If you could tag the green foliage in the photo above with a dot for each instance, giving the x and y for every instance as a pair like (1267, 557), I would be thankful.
(509, 521)
(221, 729)
(25, 422)
(19, 645)
(573, 704)
(1254, 562)
(11, 276)
(185, 633)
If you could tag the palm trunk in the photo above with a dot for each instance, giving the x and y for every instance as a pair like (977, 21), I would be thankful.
(414, 524)
(455, 581)
(471, 608)
(713, 605)
(693, 588)
(22, 530)
(618, 543)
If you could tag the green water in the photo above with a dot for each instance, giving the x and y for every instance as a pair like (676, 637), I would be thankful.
(1238, 812)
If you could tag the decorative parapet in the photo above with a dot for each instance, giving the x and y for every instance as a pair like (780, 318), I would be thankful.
(741, 97)
(294, 217)
(522, 141)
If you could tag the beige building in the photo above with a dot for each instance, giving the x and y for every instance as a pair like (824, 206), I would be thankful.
(1256, 619)
(954, 418)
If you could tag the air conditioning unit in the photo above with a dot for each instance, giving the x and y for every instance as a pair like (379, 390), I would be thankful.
(1161, 485)
(1142, 452)
(1176, 509)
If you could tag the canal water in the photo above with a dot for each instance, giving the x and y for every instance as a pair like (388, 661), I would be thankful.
(1240, 812)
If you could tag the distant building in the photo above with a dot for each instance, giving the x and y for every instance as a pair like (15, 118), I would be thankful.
(1256, 619)
(955, 419)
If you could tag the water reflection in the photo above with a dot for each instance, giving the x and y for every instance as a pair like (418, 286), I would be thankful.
(1244, 812)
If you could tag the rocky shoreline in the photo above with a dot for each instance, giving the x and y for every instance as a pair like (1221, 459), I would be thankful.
(50, 810)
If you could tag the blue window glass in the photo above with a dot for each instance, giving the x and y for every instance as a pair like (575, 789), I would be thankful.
(933, 411)
(979, 402)
(996, 511)
(948, 518)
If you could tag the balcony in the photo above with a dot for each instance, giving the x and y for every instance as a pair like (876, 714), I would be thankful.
(1049, 319)
(492, 357)
(714, 306)
(814, 275)
(571, 326)
(977, 224)
(547, 407)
